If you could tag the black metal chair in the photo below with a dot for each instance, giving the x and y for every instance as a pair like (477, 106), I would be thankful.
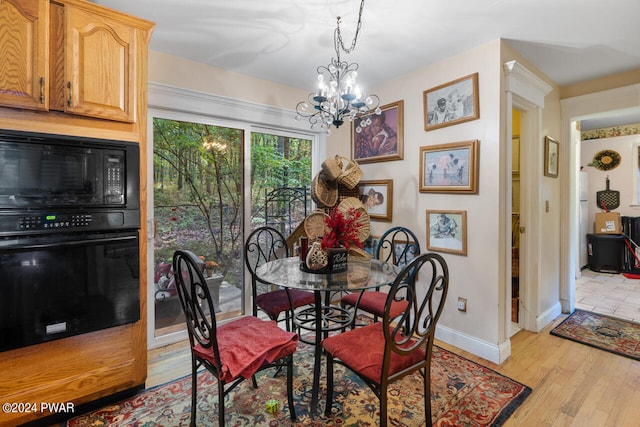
(234, 351)
(397, 246)
(266, 244)
(383, 352)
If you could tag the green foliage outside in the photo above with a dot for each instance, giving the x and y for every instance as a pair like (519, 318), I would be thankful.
(198, 188)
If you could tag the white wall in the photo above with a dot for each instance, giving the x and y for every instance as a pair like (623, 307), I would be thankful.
(620, 179)
(477, 276)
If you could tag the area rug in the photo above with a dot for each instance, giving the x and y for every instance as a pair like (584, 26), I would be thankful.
(603, 332)
(463, 393)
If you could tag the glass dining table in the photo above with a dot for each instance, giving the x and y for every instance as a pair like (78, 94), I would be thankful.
(323, 317)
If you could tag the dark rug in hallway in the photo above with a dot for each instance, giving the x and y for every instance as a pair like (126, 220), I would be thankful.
(603, 332)
(463, 393)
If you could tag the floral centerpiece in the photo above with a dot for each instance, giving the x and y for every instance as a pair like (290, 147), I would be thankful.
(332, 235)
(342, 229)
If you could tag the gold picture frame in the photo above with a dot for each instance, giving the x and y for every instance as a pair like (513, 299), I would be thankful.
(381, 140)
(377, 198)
(551, 157)
(447, 231)
(449, 168)
(451, 103)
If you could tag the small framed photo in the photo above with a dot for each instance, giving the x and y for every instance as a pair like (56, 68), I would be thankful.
(449, 168)
(377, 198)
(382, 138)
(403, 255)
(551, 153)
(451, 103)
(371, 244)
(447, 231)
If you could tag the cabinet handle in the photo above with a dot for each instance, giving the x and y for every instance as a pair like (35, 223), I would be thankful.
(70, 100)
(42, 90)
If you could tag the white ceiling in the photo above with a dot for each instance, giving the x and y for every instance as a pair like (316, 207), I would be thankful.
(286, 40)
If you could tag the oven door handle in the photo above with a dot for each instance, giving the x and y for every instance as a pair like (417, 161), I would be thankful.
(18, 245)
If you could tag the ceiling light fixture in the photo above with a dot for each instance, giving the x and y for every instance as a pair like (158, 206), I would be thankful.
(338, 97)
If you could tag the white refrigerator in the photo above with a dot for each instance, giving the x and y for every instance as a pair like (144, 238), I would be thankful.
(583, 216)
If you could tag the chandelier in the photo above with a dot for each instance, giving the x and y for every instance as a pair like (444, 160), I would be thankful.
(338, 97)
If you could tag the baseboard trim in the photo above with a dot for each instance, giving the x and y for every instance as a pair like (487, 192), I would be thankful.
(491, 352)
(548, 316)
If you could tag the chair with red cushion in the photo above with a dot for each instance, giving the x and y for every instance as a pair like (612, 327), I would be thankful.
(234, 351)
(266, 244)
(383, 352)
(397, 246)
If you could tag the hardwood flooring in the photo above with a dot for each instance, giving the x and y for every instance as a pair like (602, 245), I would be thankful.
(573, 384)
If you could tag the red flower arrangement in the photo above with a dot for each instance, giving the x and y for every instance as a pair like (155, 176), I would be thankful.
(342, 229)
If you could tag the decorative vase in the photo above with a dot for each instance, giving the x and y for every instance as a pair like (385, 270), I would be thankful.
(333, 260)
(316, 257)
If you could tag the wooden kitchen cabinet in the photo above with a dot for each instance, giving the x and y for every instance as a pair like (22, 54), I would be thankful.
(103, 53)
(69, 55)
(24, 54)
(99, 65)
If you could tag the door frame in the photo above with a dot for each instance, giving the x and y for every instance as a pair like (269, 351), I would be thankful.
(592, 105)
(525, 91)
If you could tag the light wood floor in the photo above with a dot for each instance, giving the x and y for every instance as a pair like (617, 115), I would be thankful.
(573, 384)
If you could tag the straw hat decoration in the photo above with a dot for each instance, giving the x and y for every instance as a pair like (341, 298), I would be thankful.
(364, 222)
(324, 191)
(335, 170)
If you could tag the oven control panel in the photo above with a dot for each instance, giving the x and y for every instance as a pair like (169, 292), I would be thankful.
(54, 221)
(49, 222)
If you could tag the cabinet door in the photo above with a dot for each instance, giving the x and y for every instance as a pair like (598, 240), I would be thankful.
(100, 66)
(24, 34)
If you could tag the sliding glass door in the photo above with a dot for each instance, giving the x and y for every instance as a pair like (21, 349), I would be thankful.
(209, 183)
(198, 205)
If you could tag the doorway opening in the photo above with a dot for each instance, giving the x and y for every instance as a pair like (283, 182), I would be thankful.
(515, 221)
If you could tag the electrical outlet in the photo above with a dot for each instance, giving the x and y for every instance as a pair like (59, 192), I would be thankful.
(462, 304)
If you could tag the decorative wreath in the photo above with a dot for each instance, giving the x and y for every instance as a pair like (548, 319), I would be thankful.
(606, 160)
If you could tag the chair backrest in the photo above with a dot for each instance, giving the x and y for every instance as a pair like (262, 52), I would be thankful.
(398, 246)
(196, 301)
(415, 327)
(264, 244)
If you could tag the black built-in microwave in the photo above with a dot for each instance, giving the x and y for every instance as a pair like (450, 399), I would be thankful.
(67, 183)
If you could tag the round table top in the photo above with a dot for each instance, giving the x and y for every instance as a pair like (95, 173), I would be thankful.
(361, 274)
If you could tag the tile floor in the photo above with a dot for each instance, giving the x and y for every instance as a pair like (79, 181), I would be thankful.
(610, 294)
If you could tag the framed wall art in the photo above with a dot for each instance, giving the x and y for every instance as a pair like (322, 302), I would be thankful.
(551, 152)
(402, 255)
(451, 103)
(377, 198)
(449, 168)
(382, 139)
(370, 245)
(447, 231)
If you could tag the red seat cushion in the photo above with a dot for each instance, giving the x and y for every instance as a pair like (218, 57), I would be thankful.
(274, 303)
(246, 344)
(362, 350)
(373, 302)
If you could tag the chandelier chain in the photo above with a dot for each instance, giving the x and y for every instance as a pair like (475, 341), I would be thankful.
(338, 97)
(355, 37)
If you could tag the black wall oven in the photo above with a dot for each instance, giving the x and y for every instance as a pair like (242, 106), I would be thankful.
(69, 236)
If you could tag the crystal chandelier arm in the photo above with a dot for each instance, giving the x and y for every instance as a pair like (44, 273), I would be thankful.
(338, 97)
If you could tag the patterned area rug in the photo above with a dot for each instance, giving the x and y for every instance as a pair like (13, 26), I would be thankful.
(463, 393)
(603, 332)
